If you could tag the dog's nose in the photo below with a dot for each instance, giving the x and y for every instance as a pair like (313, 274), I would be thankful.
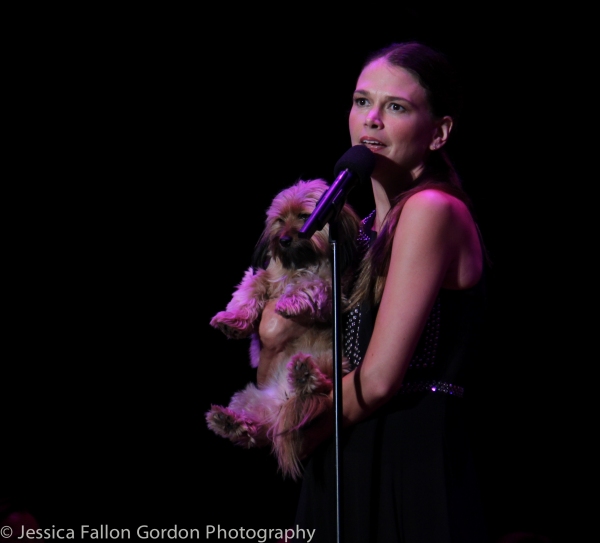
(285, 241)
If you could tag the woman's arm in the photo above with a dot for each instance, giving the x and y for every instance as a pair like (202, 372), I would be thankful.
(429, 239)
(424, 246)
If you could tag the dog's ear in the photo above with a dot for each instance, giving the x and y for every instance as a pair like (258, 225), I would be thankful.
(260, 255)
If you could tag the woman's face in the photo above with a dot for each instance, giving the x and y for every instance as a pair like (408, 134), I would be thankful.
(390, 115)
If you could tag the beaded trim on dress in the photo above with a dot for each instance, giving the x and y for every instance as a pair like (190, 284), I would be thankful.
(352, 319)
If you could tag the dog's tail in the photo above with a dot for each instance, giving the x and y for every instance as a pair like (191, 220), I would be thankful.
(286, 433)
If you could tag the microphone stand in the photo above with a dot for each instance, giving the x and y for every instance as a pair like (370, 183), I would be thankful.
(337, 372)
(355, 165)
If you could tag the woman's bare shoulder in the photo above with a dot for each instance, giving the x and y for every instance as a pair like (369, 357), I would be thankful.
(435, 199)
(433, 205)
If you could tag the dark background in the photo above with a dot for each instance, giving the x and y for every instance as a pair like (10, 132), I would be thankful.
(146, 149)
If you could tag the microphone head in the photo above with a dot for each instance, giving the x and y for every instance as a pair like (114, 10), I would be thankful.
(359, 160)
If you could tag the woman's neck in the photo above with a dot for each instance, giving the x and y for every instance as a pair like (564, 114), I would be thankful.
(385, 190)
(382, 205)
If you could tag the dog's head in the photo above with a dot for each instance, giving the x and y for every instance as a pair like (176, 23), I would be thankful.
(285, 218)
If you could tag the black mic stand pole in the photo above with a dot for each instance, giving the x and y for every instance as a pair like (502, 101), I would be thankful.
(356, 164)
(337, 371)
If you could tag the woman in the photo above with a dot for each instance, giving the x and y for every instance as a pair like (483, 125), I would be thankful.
(412, 329)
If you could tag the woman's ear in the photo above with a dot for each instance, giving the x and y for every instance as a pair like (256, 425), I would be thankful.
(441, 133)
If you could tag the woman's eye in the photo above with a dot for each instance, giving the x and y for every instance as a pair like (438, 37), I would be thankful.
(304, 216)
(360, 101)
(397, 107)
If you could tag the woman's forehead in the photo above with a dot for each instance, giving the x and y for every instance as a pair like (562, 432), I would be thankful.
(381, 77)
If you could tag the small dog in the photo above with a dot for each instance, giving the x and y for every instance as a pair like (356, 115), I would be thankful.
(297, 273)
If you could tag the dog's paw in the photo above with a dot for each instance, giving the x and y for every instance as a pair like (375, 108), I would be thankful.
(233, 325)
(228, 424)
(292, 306)
(311, 304)
(305, 377)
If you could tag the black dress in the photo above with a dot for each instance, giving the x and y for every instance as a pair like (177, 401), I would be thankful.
(408, 471)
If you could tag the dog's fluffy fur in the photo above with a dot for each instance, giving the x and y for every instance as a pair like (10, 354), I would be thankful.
(297, 273)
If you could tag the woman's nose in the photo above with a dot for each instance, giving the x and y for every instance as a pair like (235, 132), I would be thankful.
(373, 119)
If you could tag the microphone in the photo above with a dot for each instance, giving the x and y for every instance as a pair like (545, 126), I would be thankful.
(355, 166)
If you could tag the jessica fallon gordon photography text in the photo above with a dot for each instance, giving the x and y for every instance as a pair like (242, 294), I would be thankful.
(104, 532)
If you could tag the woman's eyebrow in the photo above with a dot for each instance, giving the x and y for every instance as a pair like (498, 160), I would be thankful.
(387, 97)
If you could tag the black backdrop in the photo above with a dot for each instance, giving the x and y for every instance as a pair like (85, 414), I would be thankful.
(148, 146)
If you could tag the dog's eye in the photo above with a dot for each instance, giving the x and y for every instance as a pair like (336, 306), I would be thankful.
(304, 216)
